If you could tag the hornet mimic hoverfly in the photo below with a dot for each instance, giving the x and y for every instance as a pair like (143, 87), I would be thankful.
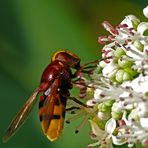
(55, 83)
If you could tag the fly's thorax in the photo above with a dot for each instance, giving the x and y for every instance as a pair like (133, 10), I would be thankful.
(71, 59)
(52, 71)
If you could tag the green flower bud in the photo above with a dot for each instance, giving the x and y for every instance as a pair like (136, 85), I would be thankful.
(104, 115)
(113, 73)
(122, 76)
(114, 80)
(119, 52)
(138, 45)
(105, 108)
(126, 76)
(124, 62)
(133, 115)
(99, 106)
(131, 72)
(135, 23)
(109, 103)
(90, 91)
(99, 122)
(117, 115)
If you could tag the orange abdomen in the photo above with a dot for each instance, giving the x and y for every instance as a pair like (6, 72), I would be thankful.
(52, 114)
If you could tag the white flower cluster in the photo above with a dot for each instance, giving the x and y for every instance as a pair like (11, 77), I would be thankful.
(120, 84)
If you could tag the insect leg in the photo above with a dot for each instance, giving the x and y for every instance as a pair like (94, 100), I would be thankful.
(79, 115)
(73, 109)
(83, 123)
(77, 101)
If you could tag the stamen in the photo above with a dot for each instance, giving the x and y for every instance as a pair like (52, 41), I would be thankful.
(102, 95)
(93, 144)
(127, 87)
(117, 44)
(103, 39)
(76, 117)
(93, 135)
(83, 123)
(109, 28)
(111, 38)
(131, 95)
(122, 26)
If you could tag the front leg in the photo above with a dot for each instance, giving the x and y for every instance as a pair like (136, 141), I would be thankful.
(77, 101)
(73, 109)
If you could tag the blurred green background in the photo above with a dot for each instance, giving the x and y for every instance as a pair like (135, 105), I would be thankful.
(30, 31)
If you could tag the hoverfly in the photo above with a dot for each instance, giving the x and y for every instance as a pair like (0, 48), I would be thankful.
(56, 81)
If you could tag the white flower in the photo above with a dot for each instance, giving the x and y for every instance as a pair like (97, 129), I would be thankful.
(90, 103)
(128, 20)
(145, 11)
(97, 94)
(117, 107)
(110, 69)
(144, 122)
(124, 82)
(142, 27)
(103, 116)
(139, 84)
(99, 135)
(142, 110)
(110, 126)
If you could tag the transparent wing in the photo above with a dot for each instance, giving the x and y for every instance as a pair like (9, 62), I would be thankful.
(20, 117)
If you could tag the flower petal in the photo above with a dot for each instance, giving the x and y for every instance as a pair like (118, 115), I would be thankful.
(97, 94)
(142, 110)
(140, 84)
(109, 68)
(145, 11)
(128, 20)
(118, 141)
(144, 122)
(142, 27)
(110, 126)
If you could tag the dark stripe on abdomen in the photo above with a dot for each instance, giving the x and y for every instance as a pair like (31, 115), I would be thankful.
(42, 100)
(49, 117)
